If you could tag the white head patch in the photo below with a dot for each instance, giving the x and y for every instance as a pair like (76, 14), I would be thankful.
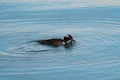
(67, 35)
(69, 41)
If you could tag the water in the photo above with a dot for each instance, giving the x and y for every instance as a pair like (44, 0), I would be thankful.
(95, 56)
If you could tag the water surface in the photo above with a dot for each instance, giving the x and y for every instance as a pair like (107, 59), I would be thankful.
(95, 56)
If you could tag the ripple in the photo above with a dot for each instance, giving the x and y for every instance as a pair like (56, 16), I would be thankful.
(8, 54)
(95, 54)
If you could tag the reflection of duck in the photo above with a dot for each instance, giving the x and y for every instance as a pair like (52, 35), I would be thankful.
(68, 40)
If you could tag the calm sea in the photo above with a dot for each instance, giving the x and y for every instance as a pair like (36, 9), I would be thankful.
(95, 56)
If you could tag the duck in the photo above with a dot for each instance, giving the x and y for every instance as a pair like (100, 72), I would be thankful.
(66, 41)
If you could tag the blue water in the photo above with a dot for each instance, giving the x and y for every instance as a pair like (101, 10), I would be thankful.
(95, 56)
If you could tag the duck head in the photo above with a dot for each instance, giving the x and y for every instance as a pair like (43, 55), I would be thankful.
(68, 39)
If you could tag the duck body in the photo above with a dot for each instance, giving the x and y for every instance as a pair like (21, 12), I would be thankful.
(68, 40)
(54, 42)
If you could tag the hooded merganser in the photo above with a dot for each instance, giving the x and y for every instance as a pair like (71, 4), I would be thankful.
(68, 40)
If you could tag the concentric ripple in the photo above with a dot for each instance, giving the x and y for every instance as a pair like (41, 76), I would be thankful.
(94, 56)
